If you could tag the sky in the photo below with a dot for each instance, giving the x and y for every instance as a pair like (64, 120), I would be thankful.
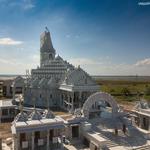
(104, 37)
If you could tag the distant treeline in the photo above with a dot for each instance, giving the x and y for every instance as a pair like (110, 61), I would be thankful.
(123, 78)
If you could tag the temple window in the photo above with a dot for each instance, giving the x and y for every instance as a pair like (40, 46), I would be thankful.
(4, 112)
(22, 137)
(50, 56)
(37, 136)
(51, 96)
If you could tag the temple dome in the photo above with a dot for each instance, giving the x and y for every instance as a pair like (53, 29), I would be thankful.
(48, 114)
(59, 58)
(21, 117)
(35, 115)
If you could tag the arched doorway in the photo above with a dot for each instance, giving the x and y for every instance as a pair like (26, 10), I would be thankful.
(98, 99)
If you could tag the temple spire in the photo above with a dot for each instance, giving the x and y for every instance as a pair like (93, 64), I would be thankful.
(46, 47)
(46, 29)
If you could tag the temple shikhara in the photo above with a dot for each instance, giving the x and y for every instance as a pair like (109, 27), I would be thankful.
(56, 82)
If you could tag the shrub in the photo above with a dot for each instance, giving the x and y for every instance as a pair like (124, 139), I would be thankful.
(147, 90)
(125, 91)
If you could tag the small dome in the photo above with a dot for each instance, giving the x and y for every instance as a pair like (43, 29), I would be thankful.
(21, 117)
(35, 115)
(58, 58)
(48, 114)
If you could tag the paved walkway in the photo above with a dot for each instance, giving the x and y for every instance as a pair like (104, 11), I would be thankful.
(133, 139)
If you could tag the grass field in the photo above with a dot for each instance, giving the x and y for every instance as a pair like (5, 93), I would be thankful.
(125, 91)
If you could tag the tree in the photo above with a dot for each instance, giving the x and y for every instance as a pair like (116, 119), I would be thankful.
(147, 90)
(125, 91)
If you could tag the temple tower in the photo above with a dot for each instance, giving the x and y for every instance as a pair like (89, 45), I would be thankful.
(47, 52)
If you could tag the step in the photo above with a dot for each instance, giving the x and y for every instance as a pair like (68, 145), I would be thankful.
(146, 147)
(110, 144)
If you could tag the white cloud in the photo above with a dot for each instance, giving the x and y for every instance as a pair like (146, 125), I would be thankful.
(143, 62)
(14, 66)
(144, 3)
(104, 66)
(27, 4)
(21, 4)
(9, 41)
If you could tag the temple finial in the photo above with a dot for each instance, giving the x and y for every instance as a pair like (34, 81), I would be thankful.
(46, 29)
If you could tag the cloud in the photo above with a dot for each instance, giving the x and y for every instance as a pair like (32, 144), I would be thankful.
(15, 66)
(27, 4)
(144, 3)
(104, 66)
(9, 41)
(143, 62)
(21, 4)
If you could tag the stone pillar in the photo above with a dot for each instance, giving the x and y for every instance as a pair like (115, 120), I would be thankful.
(47, 139)
(72, 101)
(0, 143)
(63, 100)
(14, 91)
(80, 100)
(0, 114)
(23, 90)
(68, 100)
(33, 141)
(141, 121)
(16, 144)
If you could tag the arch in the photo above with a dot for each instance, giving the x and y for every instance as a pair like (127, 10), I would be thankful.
(96, 97)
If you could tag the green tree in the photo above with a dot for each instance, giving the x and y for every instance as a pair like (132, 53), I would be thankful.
(147, 90)
(125, 91)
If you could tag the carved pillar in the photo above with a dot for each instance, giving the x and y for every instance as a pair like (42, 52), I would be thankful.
(141, 121)
(72, 101)
(63, 100)
(14, 91)
(16, 143)
(80, 100)
(33, 141)
(0, 114)
(149, 124)
(47, 139)
(23, 90)
(68, 100)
